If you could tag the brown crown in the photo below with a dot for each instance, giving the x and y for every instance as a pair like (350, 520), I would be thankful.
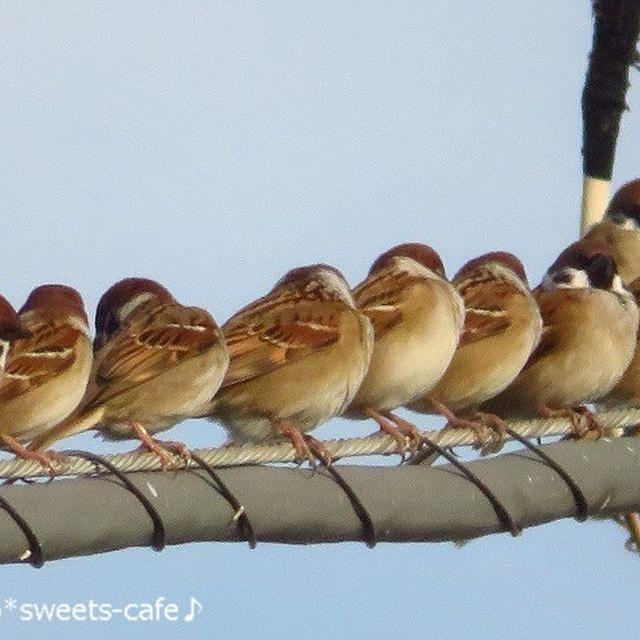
(504, 258)
(627, 194)
(303, 275)
(626, 201)
(57, 299)
(421, 253)
(119, 294)
(577, 253)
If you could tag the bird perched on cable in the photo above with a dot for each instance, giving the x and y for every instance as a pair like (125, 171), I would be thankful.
(619, 230)
(156, 362)
(298, 356)
(590, 321)
(502, 327)
(417, 316)
(46, 368)
(627, 390)
(11, 329)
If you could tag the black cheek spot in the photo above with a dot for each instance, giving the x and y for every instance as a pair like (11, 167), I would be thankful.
(601, 270)
(562, 278)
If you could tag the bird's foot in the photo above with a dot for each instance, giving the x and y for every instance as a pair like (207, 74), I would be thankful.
(499, 427)
(455, 422)
(413, 435)
(165, 450)
(389, 427)
(45, 458)
(583, 421)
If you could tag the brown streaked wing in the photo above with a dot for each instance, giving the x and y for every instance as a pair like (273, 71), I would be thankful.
(378, 297)
(34, 360)
(483, 323)
(277, 338)
(150, 344)
(484, 304)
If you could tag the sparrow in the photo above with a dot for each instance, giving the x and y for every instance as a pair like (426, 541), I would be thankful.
(619, 230)
(45, 372)
(156, 362)
(502, 326)
(627, 390)
(590, 322)
(627, 394)
(298, 356)
(417, 316)
(10, 329)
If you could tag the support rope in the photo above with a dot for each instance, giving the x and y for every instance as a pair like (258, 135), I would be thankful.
(282, 451)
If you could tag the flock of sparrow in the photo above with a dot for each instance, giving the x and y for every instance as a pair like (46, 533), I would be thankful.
(477, 349)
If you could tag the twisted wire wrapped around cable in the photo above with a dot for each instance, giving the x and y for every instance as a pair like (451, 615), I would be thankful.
(282, 451)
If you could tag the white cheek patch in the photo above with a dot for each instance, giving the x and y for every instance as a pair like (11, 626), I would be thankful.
(618, 287)
(133, 304)
(335, 283)
(567, 278)
(623, 221)
(630, 224)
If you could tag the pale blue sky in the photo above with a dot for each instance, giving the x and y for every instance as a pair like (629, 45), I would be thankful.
(213, 146)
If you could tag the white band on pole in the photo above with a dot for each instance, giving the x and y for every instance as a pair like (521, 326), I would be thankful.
(595, 198)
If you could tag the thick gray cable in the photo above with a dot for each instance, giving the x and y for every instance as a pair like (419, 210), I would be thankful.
(300, 506)
(283, 451)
